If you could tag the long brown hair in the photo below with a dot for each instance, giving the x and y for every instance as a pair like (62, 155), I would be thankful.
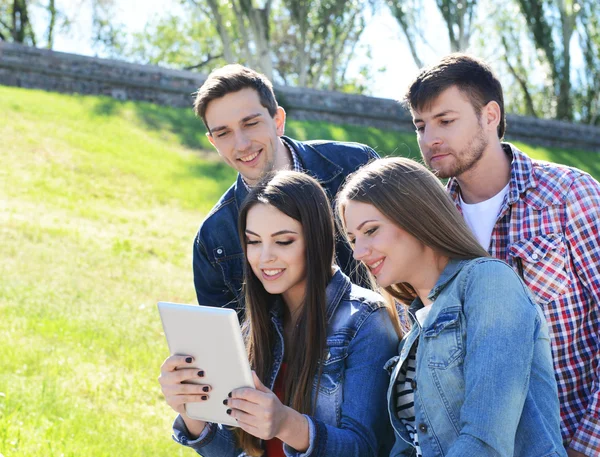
(415, 200)
(302, 198)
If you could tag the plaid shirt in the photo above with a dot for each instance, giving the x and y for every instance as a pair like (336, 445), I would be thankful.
(548, 230)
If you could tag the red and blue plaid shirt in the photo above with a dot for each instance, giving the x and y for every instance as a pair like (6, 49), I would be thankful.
(548, 230)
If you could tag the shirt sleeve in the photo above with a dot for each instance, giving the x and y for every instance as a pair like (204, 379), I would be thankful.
(582, 233)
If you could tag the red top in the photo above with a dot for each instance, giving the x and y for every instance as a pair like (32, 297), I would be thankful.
(274, 447)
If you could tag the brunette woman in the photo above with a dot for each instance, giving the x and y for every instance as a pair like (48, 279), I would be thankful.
(316, 342)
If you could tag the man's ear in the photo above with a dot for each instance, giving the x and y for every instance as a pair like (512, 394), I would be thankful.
(280, 120)
(491, 116)
(211, 139)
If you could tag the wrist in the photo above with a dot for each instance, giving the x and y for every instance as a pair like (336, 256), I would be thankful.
(294, 430)
(194, 427)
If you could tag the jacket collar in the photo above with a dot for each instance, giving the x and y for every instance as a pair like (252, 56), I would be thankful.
(521, 176)
(453, 267)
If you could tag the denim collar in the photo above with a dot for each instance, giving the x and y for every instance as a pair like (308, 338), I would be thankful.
(311, 161)
(452, 269)
(336, 289)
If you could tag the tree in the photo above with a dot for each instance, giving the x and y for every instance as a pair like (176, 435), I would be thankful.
(15, 23)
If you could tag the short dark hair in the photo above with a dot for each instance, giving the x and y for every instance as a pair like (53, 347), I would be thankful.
(233, 78)
(473, 77)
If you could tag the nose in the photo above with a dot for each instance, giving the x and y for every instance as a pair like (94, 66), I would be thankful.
(360, 250)
(429, 137)
(266, 254)
(242, 141)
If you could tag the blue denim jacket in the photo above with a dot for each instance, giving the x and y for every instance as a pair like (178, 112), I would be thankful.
(218, 258)
(350, 417)
(485, 383)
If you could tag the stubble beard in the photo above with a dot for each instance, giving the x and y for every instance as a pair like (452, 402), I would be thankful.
(467, 158)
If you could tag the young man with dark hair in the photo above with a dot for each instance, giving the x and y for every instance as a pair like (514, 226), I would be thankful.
(541, 218)
(246, 126)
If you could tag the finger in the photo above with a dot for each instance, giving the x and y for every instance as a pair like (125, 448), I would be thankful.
(244, 406)
(258, 384)
(175, 361)
(187, 389)
(244, 418)
(181, 375)
(248, 394)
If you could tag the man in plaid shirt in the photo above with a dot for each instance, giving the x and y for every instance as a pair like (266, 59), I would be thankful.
(541, 218)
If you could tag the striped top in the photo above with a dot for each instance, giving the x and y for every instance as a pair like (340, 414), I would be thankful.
(405, 388)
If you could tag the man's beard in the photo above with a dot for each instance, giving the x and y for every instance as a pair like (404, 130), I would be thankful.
(466, 159)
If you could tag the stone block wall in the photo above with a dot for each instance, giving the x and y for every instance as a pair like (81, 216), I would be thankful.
(27, 67)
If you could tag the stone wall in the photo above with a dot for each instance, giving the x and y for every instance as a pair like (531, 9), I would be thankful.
(28, 67)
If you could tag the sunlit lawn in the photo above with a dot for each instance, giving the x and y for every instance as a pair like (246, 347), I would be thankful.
(99, 203)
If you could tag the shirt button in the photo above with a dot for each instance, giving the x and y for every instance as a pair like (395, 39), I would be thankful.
(423, 428)
(413, 384)
(219, 251)
(534, 256)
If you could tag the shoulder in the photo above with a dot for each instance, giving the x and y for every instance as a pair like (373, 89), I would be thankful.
(555, 181)
(221, 218)
(356, 306)
(341, 151)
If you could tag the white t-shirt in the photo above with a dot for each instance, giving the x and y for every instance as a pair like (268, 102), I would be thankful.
(481, 217)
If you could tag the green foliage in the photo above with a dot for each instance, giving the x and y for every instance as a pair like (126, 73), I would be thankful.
(99, 202)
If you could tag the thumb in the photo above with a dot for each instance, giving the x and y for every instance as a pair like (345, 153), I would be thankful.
(257, 384)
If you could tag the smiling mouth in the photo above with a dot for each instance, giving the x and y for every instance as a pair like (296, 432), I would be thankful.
(250, 158)
(376, 266)
(273, 273)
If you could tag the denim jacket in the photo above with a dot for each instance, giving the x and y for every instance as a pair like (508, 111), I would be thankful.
(485, 383)
(350, 417)
(218, 259)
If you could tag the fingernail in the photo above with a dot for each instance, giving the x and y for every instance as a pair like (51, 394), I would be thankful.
(201, 373)
(229, 412)
(205, 389)
(189, 359)
(229, 394)
(225, 402)
(204, 397)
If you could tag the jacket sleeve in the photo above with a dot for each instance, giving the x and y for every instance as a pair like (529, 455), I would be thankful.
(582, 233)
(214, 441)
(502, 326)
(210, 286)
(364, 429)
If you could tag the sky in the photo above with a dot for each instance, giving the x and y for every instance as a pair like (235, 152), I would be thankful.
(382, 35)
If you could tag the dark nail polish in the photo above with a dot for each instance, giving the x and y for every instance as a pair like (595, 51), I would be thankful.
(188, 359)
(205, 389)
(229, 394)
(204, 397)
(229, 412)
(225, 402)
(201, 373)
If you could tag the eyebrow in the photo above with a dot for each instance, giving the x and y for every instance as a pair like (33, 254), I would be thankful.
(281, 232)
(362, 223)
(245, 119)
(442, 114)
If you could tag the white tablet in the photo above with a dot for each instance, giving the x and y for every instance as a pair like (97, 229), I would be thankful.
(213, 337)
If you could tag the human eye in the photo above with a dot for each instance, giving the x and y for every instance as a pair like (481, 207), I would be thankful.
(222, 134)
(446, 121)
(370, 231)
(249, 242)
(285, 242)
(419, 128)
(352, 241)
(251, 124)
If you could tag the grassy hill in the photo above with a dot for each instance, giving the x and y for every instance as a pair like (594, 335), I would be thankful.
(99, 203)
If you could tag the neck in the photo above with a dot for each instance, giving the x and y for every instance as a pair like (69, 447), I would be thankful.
(283, 157)
(429, 275)
(487, 177)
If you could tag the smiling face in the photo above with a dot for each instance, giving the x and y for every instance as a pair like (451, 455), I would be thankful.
(450, 134)
(245, 134)
(276, 252)
(391, 254)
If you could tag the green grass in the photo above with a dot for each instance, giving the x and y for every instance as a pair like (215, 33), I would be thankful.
(99, 203)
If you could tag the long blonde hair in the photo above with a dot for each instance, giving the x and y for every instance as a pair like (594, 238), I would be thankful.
(415, 200)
